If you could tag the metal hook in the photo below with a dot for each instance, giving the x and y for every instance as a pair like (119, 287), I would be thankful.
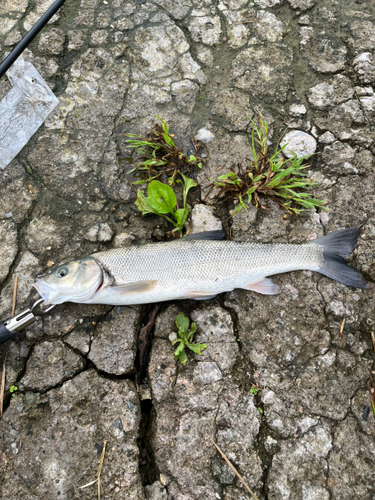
(11, 326)
(40, 312)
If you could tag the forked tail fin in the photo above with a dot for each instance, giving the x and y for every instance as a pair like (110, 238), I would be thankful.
(338, 246)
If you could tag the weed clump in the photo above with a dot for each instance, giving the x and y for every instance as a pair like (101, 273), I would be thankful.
(268, 177)
(157, 154)
(184, 339)
(161, 200)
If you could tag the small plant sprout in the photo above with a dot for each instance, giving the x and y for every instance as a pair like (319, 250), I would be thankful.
(185, 338)
(158, 153)
(161, 200)
(13, 390)
(254, 390)
(268, 176)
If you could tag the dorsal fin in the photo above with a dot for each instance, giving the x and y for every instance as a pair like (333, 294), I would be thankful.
(206, 235)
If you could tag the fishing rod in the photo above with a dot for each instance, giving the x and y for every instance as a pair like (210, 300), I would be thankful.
(11, 326)
(29, 37)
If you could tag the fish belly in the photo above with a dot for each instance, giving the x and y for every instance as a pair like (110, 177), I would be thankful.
(198, 269)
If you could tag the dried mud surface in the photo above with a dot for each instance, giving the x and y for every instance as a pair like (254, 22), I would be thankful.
(307, 65)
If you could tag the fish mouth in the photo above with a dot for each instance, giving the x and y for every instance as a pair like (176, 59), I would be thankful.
(46, 292)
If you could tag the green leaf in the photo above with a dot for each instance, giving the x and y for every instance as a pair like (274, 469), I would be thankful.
(188, 184)
(191, 332)
(199, 165)
(192, 158)
(143, 204)
(163, 124)
(182, 358)
(197, 348)
(168, 139)
(179, 349)
(161, 197)
(238, 208)
(182, 322)
(141, 182)
(181, 215)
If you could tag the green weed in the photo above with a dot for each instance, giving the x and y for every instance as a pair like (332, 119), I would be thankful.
(267, 176)
(158, 153)
(13, 390)
(254, 390)
(185, 337)
(161, 200)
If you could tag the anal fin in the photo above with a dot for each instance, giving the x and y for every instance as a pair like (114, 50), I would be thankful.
(264, 286)
(198, 295)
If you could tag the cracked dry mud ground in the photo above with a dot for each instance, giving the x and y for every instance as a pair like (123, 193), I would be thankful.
(307, 65)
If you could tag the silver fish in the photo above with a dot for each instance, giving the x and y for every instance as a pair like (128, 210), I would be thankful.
(196, 267)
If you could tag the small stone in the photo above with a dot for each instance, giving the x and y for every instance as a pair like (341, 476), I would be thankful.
(269, 27)
(52, 41)
(326, 138)
(270, 444)
(368, 103)
(204, 55)
(92, 233)
(314, 131)
(324, 95)
(206, 29)
(205, 136)
(123, 240)
(105, 232)
(185, 93)
(301, 4)
(208, 372)
(297, 110)
(298, 143)
(172, 336)
(303, 20)
(364, 66)
(156, 491)
(203, 219)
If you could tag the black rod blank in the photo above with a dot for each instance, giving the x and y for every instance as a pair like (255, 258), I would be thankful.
(29, 37)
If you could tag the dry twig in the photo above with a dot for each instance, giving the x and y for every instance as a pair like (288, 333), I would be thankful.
(373, 340)
(7, 349)
(342, 327)
(100, 469)
(233, 468)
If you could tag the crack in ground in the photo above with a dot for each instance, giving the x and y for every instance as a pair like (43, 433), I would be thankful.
(148, 469)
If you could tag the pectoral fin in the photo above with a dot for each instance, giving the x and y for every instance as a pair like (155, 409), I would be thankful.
(135, 287)
(264, 286)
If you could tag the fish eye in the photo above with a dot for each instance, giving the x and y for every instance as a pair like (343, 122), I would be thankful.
(63, 271)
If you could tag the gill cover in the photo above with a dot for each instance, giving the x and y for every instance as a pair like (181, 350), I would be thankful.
(77, 281)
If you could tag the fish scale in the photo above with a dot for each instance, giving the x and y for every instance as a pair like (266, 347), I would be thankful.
(211, 267)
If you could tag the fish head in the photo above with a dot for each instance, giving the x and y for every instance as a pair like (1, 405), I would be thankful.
(76, 281)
